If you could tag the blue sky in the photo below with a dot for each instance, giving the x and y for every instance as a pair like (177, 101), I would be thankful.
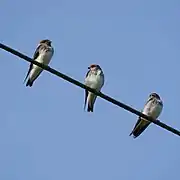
(44, 132)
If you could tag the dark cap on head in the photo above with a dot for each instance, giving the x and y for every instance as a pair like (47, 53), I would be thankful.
(46, 41)
(94, 65)
(155, 95)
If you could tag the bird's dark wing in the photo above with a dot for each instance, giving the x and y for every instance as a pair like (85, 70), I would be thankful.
(141, 124)
(86, 96)
(30, 68)
(36, 54)
(87, 73)
(139, 127)
(86, 92)
(137, 123)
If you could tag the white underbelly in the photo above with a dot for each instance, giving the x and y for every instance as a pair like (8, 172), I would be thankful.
(36, 70)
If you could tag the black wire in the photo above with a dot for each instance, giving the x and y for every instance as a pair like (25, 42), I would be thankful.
(77, 83)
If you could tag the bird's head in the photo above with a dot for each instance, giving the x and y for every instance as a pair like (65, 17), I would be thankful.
(46, 41)
(94, 67)
(154, 95)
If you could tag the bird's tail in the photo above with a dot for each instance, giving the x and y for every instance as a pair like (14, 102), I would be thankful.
(139, 128)
(91, 101)
(85, 100)
(29, 83)
(90, 107)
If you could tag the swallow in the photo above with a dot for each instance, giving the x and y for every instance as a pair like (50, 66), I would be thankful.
(43, 54)
(152, 108)
(95, 80)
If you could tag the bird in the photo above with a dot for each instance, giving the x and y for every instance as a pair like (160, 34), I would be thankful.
(152, 108)
(95, 80)
(43, 54)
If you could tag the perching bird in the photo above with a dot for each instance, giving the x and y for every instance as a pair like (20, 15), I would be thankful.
(43, 54)
(152, 108)
(94, 79)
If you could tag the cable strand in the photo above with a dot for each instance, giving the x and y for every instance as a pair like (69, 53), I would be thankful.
(77, 83)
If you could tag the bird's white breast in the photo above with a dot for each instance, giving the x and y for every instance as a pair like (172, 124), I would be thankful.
(153, 109)
(44, 57)
(94, 81)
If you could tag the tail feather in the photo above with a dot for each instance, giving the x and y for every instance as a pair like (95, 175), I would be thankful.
(29, 83)
(85, 100)
(90, 107)
(91, 101)
(33, 78)
(30, 68)
(139, 127)
(138, 130)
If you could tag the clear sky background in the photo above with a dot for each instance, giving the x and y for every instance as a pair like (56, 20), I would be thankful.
(44, 131)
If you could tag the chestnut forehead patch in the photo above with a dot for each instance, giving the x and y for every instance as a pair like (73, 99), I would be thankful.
(93, 65)
(44, 41)
(155, 95)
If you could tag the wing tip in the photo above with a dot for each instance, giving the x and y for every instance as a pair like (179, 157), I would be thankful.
(90, 108)
(132, 134)
(29, 83)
